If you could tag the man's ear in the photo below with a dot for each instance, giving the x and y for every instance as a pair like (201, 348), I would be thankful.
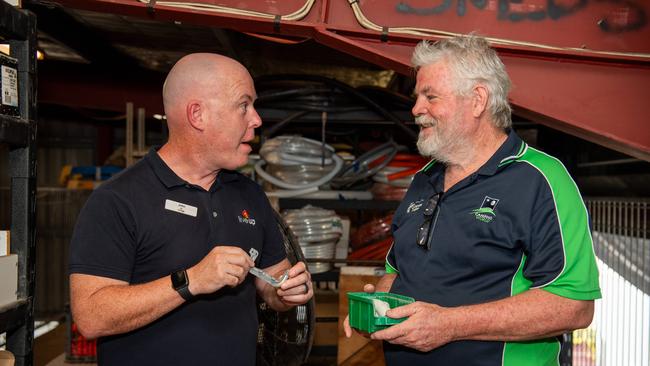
(479, 100)
(194, 111)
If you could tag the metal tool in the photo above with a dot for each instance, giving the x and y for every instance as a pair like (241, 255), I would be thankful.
(268, 278)
(263, 275)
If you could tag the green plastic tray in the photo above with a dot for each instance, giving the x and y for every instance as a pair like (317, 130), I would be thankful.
(362, 312)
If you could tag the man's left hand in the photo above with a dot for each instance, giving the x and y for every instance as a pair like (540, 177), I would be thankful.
(426, 328)
(297, 289)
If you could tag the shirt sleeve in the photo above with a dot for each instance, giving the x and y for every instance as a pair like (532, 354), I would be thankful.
(103, 242)
(560, 256)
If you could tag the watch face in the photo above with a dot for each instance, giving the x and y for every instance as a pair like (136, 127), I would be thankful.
(179, 279)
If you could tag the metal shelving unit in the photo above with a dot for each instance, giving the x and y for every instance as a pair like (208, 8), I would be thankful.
(18, 29)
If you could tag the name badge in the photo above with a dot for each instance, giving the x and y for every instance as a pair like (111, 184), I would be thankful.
(180, 208)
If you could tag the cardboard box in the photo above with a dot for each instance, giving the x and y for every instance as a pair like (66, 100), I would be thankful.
(7, 358)
(9, 275)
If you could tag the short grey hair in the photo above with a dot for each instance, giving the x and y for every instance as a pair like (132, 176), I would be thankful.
(472, 61)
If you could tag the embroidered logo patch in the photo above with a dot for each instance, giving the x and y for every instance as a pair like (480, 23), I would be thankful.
(414, 206)
(245, 218)
(486, 213)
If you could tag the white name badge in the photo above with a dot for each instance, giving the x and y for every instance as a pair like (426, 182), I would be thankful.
(180, 208)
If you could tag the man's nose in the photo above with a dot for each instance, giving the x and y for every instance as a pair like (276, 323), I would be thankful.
(256, 120)
(418, 109)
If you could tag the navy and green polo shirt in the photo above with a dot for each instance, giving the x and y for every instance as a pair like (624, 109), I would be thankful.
(147, 223)
(517, 223)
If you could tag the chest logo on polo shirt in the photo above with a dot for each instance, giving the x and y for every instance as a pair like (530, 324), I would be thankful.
(414, 206)
(486, 213)
(245, 218)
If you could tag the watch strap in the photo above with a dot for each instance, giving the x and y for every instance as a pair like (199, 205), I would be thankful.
(185, 293)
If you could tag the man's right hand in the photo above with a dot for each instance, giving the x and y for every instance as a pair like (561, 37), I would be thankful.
(369, 288)
(223, 266)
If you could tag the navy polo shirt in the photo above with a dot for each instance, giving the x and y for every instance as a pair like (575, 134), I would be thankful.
(518, 223)
(147, 223)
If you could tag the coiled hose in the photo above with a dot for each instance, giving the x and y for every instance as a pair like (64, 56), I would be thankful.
(293, 157)
(317, 230)
(367, 165)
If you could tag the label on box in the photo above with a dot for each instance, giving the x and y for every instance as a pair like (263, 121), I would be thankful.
(9, 86)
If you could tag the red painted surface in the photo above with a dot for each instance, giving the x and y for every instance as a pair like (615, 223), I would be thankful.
(599, 97)
(599, 25)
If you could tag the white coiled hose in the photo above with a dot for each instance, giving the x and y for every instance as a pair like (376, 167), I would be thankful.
(317, 230)
(292, 151)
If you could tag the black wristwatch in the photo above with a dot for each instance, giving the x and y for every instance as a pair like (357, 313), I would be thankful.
(181, 283)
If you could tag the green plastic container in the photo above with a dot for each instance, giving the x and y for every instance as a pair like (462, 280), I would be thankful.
(362, 311)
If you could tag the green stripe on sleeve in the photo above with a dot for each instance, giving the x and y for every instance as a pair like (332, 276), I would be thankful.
(579, 278)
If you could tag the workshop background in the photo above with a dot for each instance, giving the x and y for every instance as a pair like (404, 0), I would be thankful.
(83, 83)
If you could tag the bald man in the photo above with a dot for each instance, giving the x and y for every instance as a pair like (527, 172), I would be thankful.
(160, 254)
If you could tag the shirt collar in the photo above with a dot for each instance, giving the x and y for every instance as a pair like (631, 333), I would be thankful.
(162, 170)
(170, 179)
(226, 176)
(435, 171)
(509, 151)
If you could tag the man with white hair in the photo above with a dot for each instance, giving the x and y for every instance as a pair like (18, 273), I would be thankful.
(160, 255)
(492, 238)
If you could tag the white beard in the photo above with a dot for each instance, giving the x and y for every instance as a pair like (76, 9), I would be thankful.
(446, 144)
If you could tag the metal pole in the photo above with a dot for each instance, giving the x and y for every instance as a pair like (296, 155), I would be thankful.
(141, 131)
(128, 146)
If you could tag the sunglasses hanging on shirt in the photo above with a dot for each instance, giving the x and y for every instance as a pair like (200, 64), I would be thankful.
(430, 214)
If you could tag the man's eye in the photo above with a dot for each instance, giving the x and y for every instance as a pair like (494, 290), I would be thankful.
(244, 107)
(431, 97)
